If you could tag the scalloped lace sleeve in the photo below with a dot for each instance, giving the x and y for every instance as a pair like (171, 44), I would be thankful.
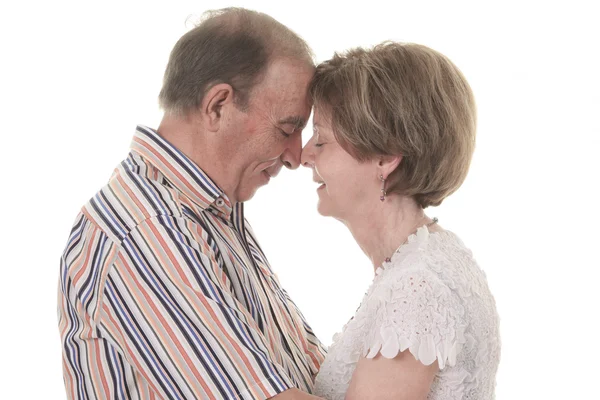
(415, 310)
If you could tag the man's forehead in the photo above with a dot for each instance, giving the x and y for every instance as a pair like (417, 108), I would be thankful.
(286, 82)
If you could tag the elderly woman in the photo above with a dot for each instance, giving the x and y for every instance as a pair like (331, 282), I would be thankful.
(394, 133)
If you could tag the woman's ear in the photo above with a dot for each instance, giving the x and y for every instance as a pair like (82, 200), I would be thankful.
(214, 103)
(388, 164)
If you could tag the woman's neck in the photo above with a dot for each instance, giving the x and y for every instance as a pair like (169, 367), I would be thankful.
(381, 230)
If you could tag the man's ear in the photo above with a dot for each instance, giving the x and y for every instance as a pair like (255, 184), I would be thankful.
(211, 108)
(388, 164)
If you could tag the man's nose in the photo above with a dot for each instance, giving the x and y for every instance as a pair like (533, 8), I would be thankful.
(291, 156)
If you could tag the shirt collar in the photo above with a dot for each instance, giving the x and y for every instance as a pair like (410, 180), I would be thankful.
(182, 172)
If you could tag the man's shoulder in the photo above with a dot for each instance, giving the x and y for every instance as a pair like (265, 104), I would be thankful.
(136, 193)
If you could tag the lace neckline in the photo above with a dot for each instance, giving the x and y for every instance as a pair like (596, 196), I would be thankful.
(420, 237)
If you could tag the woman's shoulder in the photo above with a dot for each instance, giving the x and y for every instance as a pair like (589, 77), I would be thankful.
(442, 256)
(426, 298)
(413, 307)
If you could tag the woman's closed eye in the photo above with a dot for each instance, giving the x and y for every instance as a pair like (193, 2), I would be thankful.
(317, 137)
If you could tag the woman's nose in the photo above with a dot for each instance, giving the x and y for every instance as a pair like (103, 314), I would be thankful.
(307, 156)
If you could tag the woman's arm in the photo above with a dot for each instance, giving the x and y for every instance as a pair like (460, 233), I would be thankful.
(295, 394)
(400, 378)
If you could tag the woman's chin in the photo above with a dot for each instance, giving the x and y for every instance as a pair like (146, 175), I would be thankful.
(324, 209)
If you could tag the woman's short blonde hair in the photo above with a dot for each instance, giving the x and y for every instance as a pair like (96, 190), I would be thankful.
(401, 99)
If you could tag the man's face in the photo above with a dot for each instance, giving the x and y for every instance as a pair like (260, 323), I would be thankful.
(271, 127)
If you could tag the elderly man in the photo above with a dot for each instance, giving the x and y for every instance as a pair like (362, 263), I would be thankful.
(164, 291)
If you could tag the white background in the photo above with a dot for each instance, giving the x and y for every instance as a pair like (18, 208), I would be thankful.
(76, 77)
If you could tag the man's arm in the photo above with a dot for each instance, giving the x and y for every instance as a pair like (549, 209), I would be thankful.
(177, 326)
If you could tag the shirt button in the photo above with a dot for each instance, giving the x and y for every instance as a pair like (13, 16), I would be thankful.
(220, 202)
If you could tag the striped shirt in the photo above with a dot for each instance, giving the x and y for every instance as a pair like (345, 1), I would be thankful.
(165, 293)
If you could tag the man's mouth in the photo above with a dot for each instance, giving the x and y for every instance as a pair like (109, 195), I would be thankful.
(272, 170)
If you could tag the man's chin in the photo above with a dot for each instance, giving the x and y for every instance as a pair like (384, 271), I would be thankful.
(247, 193)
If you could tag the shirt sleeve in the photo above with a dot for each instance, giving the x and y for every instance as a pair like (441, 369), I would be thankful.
(169, 312)
(415, 310)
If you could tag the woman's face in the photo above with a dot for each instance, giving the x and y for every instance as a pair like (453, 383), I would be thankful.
(346, 186)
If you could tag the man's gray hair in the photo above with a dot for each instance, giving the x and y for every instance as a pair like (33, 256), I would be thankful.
(231, 45)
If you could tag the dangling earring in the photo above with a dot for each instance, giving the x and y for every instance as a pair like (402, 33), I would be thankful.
(383, 192)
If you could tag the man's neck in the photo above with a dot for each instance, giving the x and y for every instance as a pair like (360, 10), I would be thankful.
(202, 147)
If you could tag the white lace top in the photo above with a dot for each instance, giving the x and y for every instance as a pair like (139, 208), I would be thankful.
(433, 300)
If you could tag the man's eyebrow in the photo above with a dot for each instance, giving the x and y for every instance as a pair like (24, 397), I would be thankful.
(297, 121)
